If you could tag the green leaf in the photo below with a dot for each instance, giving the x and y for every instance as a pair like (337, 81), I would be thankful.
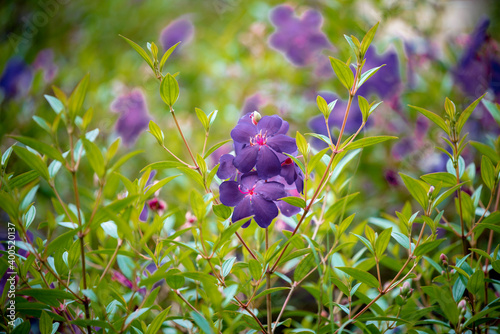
(124, 159)
(216, 146)
(193, 175)
(222, 211)
(95, 157)
(155, 130)
(45, 324)
(33, 161)
(435, 179)
(51, 297)
(383, 241)
(201, 322)
(367, 40)
(486, 150)
(134, 315)
(40, 147)
(198, 205)
(368, 141)
(140, 51)
(417, 189)
(6, 155)
(305, 265)
(169, 90)
(75, 101)
(494, 109)
(466, 113)
(158, 185)
(271, 290)
(55, 104)
(482, 253)
(476, 282)
(203, 118)
(360, 275)
(227, 266)
(229, 232)
(174, 280)
(446, 194)
(367, 75)
(167, 54)
(343, 72)
(155, 325)
(433, 117)
(364, 106)
(162, 165)
(302, 144)
(255, 269)
(23, 179)
(427, 247)
(295, 201)
(323, 106)
(488, 173)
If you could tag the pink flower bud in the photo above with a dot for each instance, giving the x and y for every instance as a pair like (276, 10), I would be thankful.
(157, 205)
(255, 116)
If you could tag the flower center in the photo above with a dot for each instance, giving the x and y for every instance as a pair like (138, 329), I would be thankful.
(249, 192)
(259, 139)
(288, 161)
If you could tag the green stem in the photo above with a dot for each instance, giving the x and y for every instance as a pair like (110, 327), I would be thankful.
(268, 296)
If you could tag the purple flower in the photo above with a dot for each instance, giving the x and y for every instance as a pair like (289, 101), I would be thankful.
(300, 39)
(291, 173)
(260, 144)
(354, 120)
(253, 103)
(180, 30)
(134, 117)
(386, 83)
(478, 69)
(252, 196)
(16, 79)
(44, 61)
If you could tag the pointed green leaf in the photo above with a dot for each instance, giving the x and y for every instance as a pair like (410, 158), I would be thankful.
(367, 40)
(464, 116)
(169, 90)
(343, 72)
(167, 54)
(295, 201)
(368, 141)
(41, 147)
(417, 189)
(140, 51)
(95, 157)
(55, 104)
(488, 173)
(361, 276)
(433, 117)
(75, 101)
(33, 161)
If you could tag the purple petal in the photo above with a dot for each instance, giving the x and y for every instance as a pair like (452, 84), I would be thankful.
(312, 19)
(281, 15)
(288, 172)
(242, 210)
(230, 194)
(284, 128)
(246, 158)
(253, 103)
(270, 190)
(226, 168)
(243, 132)
(265, 211)
(282, 143)
(249, 180)
(288, 209)
(143, 217)
(270, 124)
(180, 30)
(268, 164)
(134, 116)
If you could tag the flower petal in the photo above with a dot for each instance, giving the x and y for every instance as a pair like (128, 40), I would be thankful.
(230, 194)
(246, 158)
(249, 180)
(270, 190)
(288, 209)
(243, 131)
(242, 210)
(288, 172)
(270, 124)
(268, 164)
(282, 143)
(265, 211)
(226, 168)
(143, 217)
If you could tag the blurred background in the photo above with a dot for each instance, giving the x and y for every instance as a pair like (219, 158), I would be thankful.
(237, 56)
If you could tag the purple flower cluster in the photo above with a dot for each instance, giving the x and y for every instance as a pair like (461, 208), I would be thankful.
(260, 173)
(299, 39)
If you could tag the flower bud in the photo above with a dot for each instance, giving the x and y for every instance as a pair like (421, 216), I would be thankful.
(431, 189)
(157, 205)
(444, 259)
(462, 307)
(255, 116)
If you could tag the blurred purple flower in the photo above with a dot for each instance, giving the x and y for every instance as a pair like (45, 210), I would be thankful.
(180, 30)
(299, 39)
(252, 196)
(260, 144)
(478, 69)
(253, 103)
(354, 120)
(386, 83)
(134, 117)
(16, 79)
(44, 61)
